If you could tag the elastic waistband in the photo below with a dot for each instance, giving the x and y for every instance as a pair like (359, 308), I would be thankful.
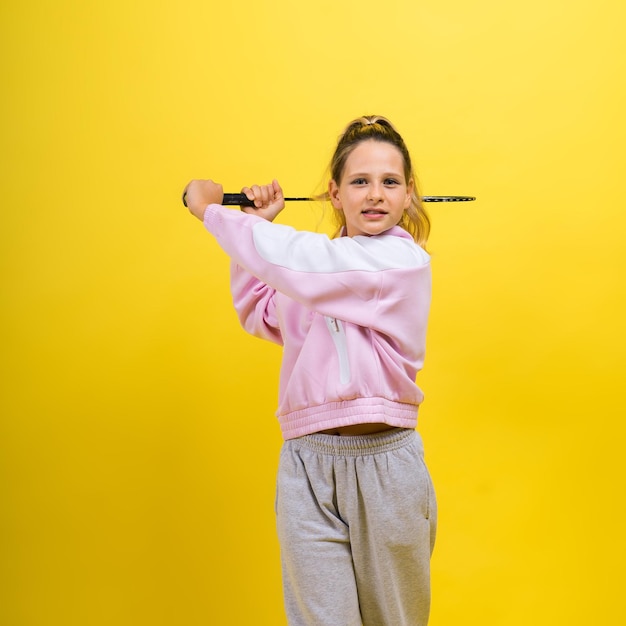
(358, 445)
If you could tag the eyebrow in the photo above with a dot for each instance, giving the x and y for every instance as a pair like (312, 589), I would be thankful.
(384, 174)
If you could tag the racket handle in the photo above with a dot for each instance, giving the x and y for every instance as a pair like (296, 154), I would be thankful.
(240, 199)
(236, 199)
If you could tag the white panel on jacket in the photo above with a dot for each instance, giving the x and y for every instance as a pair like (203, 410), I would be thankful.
(314, 252)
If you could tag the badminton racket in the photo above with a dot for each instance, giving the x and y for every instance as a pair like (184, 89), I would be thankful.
(240, 199)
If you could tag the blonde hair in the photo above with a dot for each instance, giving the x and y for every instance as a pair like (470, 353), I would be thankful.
(414, 220)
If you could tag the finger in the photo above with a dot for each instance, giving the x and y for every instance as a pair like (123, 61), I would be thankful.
(267, 194)
(248, 193)
(256, 196)
(278, 192)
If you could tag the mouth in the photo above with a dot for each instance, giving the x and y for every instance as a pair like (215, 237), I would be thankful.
(373, 212)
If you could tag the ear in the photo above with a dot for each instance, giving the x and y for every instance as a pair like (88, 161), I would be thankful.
(333, 192)
(409, 192)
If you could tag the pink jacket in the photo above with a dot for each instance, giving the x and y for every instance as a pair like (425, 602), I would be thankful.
(350, 312)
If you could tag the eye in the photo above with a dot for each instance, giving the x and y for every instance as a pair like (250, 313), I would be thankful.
(359, 181)
(391, 181)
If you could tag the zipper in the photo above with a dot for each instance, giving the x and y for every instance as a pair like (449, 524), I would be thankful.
(338, 336)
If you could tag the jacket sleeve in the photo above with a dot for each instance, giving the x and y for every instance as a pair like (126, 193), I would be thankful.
(255, 304)
(379, 282)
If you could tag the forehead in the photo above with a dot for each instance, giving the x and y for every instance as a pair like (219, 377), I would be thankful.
(372, 155)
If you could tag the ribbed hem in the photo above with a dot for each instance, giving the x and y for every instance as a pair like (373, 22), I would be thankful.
(348, 413)
(211, 217)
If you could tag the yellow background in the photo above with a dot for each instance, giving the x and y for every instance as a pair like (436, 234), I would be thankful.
(138, 442)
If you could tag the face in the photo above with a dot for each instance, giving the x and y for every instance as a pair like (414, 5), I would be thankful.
(373, 191)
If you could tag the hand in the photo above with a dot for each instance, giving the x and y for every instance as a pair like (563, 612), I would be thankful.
(268, 200)
(198, 194)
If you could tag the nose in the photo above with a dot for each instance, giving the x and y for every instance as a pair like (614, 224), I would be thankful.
(375, 192)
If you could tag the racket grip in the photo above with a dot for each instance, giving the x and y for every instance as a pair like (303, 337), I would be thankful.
(236, 199)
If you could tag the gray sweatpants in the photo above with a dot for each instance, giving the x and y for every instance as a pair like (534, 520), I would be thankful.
(356, 523)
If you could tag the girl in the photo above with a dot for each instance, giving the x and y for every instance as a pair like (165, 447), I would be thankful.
(356, 511)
